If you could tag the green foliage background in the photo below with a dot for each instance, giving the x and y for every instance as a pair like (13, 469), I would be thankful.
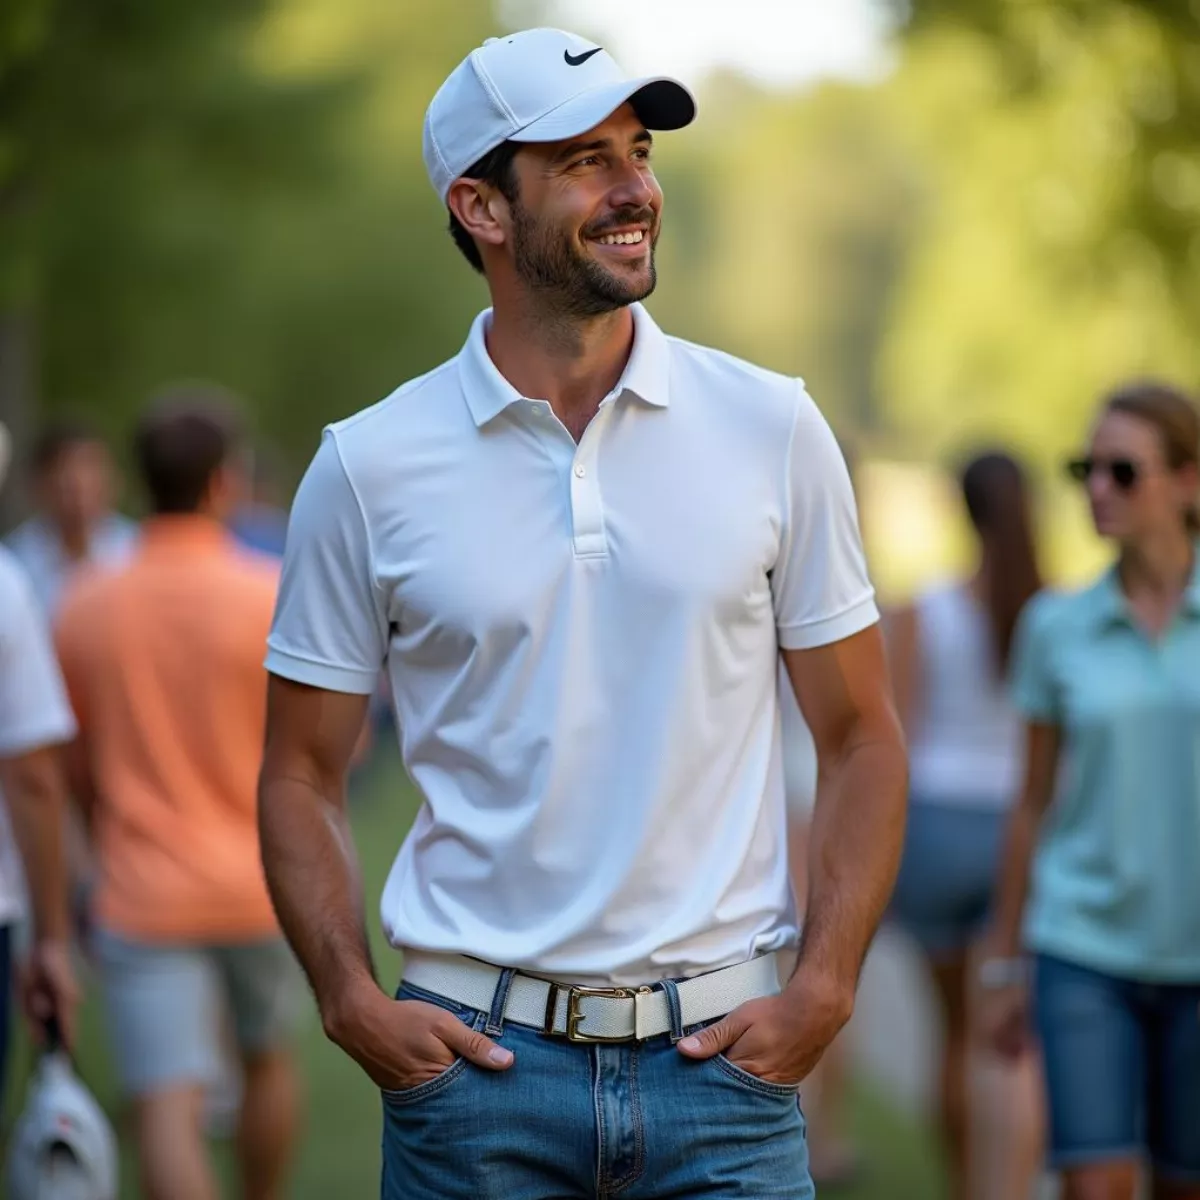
(970, 249)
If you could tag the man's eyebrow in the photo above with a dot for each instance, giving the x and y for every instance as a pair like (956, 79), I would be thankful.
(573, 148)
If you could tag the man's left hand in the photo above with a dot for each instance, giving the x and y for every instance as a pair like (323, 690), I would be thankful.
(778, 1039)
(49, 989)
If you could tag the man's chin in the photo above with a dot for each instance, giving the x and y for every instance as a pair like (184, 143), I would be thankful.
(627, 287)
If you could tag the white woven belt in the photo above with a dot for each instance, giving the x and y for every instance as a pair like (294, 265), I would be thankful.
(587, 1014)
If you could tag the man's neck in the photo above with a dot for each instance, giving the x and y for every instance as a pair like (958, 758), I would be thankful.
(570, 362)
(75, 540)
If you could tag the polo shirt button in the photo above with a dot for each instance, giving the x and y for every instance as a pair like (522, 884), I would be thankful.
(580, 470)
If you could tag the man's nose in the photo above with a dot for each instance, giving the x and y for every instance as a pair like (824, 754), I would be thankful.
(633, 189)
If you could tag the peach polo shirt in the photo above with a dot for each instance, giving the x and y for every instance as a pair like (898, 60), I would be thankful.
(163, 663)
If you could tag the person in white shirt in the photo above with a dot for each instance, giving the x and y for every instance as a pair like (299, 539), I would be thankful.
(950, 651)
(75, 524)
(580, 547)
(35, 721)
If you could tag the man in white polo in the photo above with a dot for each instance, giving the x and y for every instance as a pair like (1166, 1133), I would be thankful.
(580, 547)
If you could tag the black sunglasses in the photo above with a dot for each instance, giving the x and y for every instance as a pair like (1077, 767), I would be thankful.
(1122, 471)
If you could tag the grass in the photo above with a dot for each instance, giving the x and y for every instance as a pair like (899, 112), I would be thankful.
(339, 1150)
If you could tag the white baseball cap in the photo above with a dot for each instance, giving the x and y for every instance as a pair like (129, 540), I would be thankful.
(62, 1145)
(540, 85)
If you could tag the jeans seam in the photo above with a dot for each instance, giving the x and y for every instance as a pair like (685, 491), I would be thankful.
(738, 1075)
(598, 1114)
(639, 1155)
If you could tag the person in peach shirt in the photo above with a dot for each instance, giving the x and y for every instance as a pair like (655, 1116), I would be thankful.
(163, 663)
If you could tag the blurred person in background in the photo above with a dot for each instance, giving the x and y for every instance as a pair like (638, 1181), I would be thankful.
(163, 663)
(1100, 880)
(583, 633)
(260, 521)
(75, 524)
(950, 654)
(35, 722)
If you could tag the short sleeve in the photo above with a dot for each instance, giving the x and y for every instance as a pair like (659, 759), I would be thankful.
(819, 582)
(34, 711)
(1035, 691)
(330, 628)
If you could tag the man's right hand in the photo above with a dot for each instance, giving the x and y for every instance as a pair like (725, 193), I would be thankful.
(402, 1044)
(1004, 1021)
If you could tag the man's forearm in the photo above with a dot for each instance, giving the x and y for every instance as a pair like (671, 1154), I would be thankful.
(35, 797)
(312, 872)
(854, 853)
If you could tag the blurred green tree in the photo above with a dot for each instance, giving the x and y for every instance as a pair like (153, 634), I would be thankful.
(1060, 145)
(219, 190)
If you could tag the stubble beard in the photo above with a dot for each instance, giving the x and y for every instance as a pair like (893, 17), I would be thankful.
(578, 286)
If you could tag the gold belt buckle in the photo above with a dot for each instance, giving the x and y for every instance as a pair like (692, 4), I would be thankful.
(574, 1015)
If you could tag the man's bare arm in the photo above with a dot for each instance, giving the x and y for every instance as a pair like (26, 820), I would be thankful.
(33, 786)
(312, 871)
(858, 819)
(855, 840)
(307, 848)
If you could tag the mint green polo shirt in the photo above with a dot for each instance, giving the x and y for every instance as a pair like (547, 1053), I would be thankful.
(1116, 876)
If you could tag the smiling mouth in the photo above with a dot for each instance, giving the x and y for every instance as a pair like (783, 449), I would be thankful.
(633, 237)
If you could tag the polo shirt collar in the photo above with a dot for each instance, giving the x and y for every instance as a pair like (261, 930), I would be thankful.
(1112, 608)
(488, 393)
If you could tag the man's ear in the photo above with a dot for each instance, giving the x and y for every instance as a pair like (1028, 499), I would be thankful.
(480, 210)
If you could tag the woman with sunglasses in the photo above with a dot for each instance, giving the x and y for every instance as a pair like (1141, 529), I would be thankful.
(949, 652)
(1100, 879)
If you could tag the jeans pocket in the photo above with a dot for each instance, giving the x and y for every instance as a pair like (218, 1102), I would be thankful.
(782, 1091)
(468, 1016)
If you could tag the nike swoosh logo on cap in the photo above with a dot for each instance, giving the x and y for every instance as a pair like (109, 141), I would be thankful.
(575, 60)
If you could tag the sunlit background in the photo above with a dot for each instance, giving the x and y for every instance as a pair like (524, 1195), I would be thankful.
(960, 221)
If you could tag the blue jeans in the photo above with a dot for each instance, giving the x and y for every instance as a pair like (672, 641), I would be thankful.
(634, 1120)
(1122, 1068)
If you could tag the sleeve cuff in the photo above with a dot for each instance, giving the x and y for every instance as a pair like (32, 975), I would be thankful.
(352, 680)
(824, 632)
(33, 737)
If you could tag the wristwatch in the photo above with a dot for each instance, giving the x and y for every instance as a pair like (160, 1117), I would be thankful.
(998, 973)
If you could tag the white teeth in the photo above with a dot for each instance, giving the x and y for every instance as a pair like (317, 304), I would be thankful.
(621, 239)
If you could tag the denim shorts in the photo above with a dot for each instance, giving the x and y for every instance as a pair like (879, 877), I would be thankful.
(632, 1119)
(163, 1005)
(947, 874)
(1122, 1068)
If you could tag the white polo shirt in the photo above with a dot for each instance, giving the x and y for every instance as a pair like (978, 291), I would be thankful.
(582, 643)
(34, 711)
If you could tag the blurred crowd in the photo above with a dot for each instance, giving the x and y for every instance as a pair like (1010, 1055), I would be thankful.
(1049, 875)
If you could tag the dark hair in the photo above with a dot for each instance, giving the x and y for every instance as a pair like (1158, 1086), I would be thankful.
(182, 440)
(494, 168)
(56, 438)
(1173, 414)
(997, 501)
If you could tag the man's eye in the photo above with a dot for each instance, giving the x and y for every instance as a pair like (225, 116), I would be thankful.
(590, 160)
(643, 153)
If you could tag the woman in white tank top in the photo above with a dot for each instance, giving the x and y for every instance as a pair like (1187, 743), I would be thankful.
(949, 658)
